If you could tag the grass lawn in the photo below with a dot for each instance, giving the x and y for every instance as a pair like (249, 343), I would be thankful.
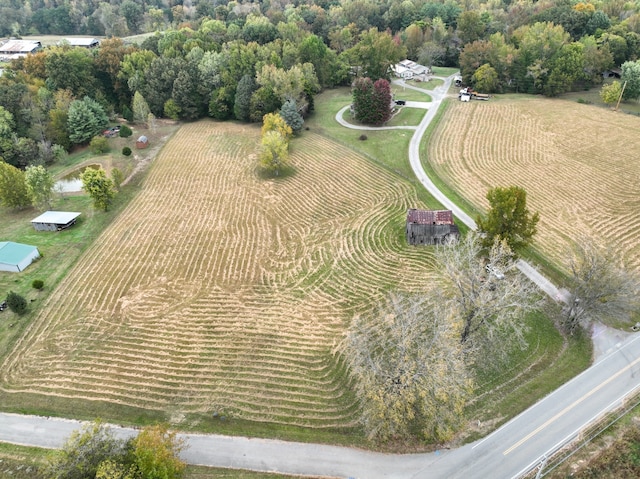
(408, 94)
(407, 116)
(426, 85)
(444, 71)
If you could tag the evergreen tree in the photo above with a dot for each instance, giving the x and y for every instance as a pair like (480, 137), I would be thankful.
(242, 106)
(86, 120)
(289, 112)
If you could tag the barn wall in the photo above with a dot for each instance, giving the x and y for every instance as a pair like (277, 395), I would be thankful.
(44, 226)
(9, 267)
(28, 260)
(426, 234)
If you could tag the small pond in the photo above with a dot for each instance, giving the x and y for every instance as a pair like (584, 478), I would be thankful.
(71, 182)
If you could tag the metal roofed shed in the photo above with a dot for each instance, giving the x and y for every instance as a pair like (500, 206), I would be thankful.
(142, 142)
(15, 257)
(54, 220)
(431, 227)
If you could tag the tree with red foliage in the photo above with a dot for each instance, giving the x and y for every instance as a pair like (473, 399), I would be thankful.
(372, 101)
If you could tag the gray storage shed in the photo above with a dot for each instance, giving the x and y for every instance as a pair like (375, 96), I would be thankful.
(54, 220)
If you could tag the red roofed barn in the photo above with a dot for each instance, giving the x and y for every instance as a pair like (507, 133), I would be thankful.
(431, 227)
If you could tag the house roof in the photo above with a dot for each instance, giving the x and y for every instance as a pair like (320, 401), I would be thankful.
(19, 46)
(427, 217)
(82, 42)
(14, 253)
(56, 217)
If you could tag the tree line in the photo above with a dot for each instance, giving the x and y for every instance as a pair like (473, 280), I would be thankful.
(244, 60)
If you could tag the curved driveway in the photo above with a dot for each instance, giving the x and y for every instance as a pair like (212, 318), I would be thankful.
(514, 448)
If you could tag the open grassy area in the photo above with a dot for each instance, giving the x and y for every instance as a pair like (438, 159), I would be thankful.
(408, 94)
(407, 116)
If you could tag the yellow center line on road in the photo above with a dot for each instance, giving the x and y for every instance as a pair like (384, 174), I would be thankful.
(571, 406)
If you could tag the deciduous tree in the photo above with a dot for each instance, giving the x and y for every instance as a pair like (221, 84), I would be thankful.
(13, 188)
(603, 288)
(84, 451)
(274, 153)
(375, 53)
(156, 451)
(508, 218)
(407, 363)
(39, 184)
(100, 188)
(631, 76)
(489, 297)
(610, 92)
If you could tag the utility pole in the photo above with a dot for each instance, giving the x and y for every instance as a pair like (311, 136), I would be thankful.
(620, 97)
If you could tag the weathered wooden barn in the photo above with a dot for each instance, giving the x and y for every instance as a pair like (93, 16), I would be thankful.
(431, 227)
(54, 220)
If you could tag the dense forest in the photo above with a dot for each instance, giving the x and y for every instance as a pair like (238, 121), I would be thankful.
(232, 60)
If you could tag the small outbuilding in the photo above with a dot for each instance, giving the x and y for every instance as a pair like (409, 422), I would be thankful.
(55, 220)
(431, 227)
(15, 257)
(142, 142)
(83, 42)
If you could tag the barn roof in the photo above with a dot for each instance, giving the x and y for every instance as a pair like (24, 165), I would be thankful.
(20, 46)
(143, 139)
(14, 253)
(430, 217)
(56, 217)
(82, 41)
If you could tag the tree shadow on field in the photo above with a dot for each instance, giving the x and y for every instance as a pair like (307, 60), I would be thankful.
(286, 172)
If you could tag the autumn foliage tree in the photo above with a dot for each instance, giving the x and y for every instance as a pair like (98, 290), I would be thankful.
(372, 101)
(407, 363)
(274, 150)
(100, 188)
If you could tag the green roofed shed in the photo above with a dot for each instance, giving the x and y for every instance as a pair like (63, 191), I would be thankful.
(16, 257)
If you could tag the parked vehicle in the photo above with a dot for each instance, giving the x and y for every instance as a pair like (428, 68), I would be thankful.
(472, 94)
(401, 102)
(111, 132)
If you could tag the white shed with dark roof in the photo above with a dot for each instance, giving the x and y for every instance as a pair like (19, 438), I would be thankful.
(55, 220)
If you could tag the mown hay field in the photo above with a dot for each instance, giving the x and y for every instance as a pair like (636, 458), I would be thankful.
(579, 164)
(221, 291)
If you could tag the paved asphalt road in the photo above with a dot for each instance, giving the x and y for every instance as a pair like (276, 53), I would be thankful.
(505, 453)
(518, 445)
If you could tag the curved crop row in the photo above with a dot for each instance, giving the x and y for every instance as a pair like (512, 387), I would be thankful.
(219, 290)
(579, 165)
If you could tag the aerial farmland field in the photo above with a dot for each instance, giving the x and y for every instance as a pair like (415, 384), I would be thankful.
(218, 290)
(579, 164)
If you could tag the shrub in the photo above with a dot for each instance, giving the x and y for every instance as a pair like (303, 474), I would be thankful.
(99, 145)
(126, 151)
(362, 137)
(37, 284)
(16, 303)
(125, 131)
